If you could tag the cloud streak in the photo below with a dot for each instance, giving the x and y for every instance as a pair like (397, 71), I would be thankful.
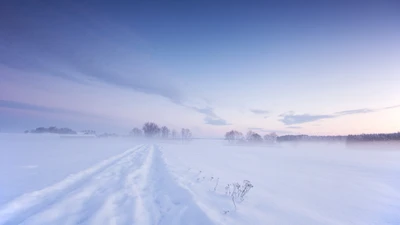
(211, 118)
(259, 129)
(291, 118)
(356, 111)
(393, 107)
(82, 47)
(208, 111)
(259, 111)
(6, 104)
(294, 127)
(215, 121)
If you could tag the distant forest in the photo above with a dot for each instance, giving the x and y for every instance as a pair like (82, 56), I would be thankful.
(234, 136)
(149, 130)
(53, 130)
(152, 130)
(348, 138)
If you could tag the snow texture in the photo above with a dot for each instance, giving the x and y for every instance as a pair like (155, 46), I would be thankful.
(131, 188)
(174, 183)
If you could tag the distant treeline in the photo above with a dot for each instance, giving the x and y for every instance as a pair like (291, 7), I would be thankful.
(310, 138)
(348, 138)
(53, 130)
(374, 137)
(237, 137)
(152, 130)
(149, 130)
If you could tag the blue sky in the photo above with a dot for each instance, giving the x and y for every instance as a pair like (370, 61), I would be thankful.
(315, 67)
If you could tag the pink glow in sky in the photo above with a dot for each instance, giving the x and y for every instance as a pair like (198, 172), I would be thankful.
(309, 69)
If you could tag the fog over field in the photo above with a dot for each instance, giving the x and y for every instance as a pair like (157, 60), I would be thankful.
(199, 112)
(46, 179)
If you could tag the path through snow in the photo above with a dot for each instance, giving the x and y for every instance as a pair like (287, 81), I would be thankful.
(133, 187)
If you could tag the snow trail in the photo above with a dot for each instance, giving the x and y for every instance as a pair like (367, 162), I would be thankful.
(134, 187)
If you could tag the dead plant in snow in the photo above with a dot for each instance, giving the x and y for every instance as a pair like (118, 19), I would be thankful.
(238, 191)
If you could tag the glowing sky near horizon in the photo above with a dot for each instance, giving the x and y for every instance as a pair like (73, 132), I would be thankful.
(315, 67)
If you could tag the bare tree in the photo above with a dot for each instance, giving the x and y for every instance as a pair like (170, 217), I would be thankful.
(230, 136)
(271, 138)
(249, 135)
(151, 129)
(174, 134)
(164, 132)
(253, 137)
(274, 136)
(233, 136)
(136, 132)
(186, 134)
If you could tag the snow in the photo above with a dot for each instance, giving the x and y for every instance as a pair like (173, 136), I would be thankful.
(46, 179)
(30, 162)
(304, 184)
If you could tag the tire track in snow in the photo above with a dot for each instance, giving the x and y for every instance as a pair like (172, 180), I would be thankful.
(168, 202)
(140, 178)
(99, 198)
(118, 207)
(134, 187)
(23, 207)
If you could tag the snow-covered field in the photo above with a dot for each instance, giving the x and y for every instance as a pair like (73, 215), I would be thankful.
(30, 162)
(45, 179)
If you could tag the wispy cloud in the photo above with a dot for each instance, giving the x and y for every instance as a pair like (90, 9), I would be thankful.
(86, 48)
(18, 116)
(259, 111)
(294, 127)
(148, 84)
(24, 106)
(291, 118)
(211, 118)
(208, 111)
(215, 121)
(6, 104)
(393, 107)
(263, 130)
(356, 111)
